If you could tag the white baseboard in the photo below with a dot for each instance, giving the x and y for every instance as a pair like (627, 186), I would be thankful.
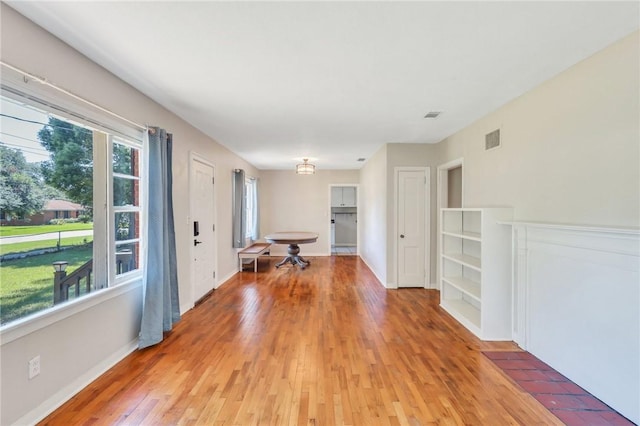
(373, 272)
(185, 308)
(63, 395)
(226, 278)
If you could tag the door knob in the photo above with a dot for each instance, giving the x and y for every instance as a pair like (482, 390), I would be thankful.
(401, 235)
(196, 242)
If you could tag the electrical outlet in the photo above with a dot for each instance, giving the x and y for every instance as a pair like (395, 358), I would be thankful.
(34, 367)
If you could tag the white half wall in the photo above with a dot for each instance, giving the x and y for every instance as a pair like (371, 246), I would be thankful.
(576, 307)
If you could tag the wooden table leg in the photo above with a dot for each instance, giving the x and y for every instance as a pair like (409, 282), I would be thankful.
(294, 258)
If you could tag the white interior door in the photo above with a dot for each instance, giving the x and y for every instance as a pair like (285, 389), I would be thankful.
(412, 227)
(202, 228)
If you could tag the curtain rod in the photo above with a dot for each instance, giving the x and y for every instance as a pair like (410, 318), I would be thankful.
(44, 81)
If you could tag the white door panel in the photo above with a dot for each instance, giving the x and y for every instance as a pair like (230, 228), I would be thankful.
(411, 236)
(202, 213)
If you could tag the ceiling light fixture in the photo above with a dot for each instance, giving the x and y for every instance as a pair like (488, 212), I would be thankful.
(305, 168)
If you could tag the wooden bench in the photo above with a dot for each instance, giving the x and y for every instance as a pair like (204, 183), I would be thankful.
(254, 251)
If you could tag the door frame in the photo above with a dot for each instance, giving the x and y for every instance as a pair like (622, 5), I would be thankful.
(196, 157)
(341, 185)
(442, 194)
(427, 223)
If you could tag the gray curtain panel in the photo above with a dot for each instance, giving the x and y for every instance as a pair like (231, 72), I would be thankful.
(161, 307)
(238, 205)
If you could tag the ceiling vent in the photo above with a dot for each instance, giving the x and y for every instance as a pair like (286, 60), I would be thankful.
(492, 140)
(433, 114)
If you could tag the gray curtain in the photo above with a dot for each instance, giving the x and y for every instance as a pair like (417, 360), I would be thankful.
(238, 205)
(161, 307)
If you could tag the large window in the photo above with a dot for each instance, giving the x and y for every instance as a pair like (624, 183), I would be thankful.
(251, 210)
(71, 206)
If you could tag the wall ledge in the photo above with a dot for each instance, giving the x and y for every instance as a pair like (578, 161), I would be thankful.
(571, 227)
(23, 327)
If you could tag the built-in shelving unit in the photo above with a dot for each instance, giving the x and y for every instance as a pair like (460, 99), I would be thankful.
(476, 269)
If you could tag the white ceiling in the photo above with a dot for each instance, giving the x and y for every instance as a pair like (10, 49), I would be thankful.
(333, 81)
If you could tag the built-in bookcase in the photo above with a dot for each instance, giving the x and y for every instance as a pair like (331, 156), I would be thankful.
(476, 270)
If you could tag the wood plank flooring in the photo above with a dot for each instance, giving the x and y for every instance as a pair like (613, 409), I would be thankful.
(327, 345)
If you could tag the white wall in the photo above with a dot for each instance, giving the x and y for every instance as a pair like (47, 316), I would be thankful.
(75, 349)
(373, 214)
(570, 147)
(291, 202)
(411, 155)
(569, 154)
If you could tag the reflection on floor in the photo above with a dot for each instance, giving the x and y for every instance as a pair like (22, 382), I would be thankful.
(343, 251)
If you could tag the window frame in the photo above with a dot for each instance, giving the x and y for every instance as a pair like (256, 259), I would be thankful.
(141, 208)
(104, 125)
(251, 211)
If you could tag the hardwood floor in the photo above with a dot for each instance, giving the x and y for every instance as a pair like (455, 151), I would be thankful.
(327, 345)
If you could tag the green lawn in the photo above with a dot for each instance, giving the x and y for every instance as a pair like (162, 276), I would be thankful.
(8, 231)
(26, 285)
(35, 245)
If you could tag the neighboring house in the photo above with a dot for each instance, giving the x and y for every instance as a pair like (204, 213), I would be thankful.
(58, 209)
(53, 209)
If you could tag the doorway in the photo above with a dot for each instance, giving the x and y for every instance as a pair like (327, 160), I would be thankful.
(202, 217)
(450, 185)
(450, 194)
(412, 226)
(344, 220)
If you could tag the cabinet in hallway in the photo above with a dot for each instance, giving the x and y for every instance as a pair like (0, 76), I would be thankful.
(343, 196)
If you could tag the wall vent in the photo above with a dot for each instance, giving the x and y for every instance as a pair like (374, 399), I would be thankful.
(492, 140)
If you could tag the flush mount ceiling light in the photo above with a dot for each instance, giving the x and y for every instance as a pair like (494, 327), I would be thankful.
(305, 168)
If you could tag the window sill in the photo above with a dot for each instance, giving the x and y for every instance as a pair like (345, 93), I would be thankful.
(23, 327)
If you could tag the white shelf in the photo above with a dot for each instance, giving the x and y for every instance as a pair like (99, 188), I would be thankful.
(464, 259)
(464, 312)
(471, 288)
(467, 235)
(476, 270)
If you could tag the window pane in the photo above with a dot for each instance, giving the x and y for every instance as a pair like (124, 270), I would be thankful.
(46, 170)
(127, 226)
(125, 160)
(126, 192)
(127, 258)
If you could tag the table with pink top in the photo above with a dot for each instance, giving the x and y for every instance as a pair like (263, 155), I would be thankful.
(293, 239)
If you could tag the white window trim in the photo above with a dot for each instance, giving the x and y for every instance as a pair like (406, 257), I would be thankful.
(23, 87)
(113, 278)
(40, 320)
